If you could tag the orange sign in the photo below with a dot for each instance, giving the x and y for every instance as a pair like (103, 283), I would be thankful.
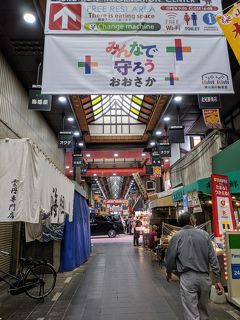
(212, 118)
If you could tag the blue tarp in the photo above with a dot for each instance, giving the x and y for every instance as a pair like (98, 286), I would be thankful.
(76, 243)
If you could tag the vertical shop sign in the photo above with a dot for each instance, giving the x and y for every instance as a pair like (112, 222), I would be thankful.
(223, 216)
(185, 202)
(164, 149)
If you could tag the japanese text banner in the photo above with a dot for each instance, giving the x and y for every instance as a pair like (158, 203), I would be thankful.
(230, 24)
(184, 17)
(168, 65)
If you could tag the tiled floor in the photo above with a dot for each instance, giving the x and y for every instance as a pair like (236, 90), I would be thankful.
(119, 282)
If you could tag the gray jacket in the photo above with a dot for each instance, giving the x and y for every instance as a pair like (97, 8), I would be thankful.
(191, 249)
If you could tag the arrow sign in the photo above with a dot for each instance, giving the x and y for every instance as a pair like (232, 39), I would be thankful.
(65, 16)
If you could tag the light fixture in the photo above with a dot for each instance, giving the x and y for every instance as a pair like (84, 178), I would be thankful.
(237, 203)
(70, 171)
(152, 143)
(166, 160)
(70, 119)
(178, 98)
(62, 99)
(114, 174)
(94, 174)
(233, 197)
(81, 144)
(88, 155)
(76, 134)
(166, 118)
(143, 154)
(158, 133)
(67, 167)
(115, 154)
(29, 17)
(210, 201)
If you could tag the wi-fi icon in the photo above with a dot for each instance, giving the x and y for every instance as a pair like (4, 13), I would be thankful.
(171, 15)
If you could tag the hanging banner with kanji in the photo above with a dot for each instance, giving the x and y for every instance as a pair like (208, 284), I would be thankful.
(212, 118)
(128, 65)
(230, 24)
(130, 17)
(223, 217)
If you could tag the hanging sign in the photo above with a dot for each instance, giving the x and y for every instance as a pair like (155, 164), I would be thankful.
(185, 203)
(223, 216)
(65, 140)
(164, 149)
(128, 17)
(209, 101)
(38, 101)
(230, 24)
(212, 118)
(157, 172)
(194, 202)
(156, 160)
(129, 65)
(77, 160)
(176, 134)
(84, 168)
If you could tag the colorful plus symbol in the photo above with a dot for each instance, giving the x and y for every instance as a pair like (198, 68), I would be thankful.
(171, 78)
(87, 64)
(179, 49)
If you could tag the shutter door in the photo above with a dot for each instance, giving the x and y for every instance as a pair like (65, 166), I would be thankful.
(6, 235)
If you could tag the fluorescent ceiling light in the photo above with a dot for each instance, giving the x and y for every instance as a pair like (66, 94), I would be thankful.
(67, 167)
(166, 160)
(143, 154)
(114, 174)
(76, 134)
(178, 98)
(70, 171)
(158, 133)
(115, 154)
(152, 143)
(94, 174)
(81, 144)
(70, 119)
(29, 17)
(62, 99)
(88, 155)
(166, 118)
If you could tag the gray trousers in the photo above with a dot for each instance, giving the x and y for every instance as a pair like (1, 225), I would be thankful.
(194, 289)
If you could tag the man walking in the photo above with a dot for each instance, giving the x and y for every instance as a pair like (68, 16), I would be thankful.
(190, 252)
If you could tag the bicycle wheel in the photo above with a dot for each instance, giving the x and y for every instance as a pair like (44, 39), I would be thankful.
(40, 280)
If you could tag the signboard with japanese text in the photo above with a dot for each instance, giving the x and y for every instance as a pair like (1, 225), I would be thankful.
(77, 160)
(223, 216)
(128, 65)
(131, 17)
(65, 140)
(176, 134)
(230, 24)
(210, 101)
(164, 149)
(212, 118)
(38, 101)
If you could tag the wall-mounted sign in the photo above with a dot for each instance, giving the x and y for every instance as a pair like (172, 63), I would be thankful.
(164, 149)
(212, 118)
(65, 140)
(129, 65)
(131, 17)
(185, 202)
(38, 101)
(209, 101)
(77, 160)
(176, 134)
(149, 169)
(223, 216)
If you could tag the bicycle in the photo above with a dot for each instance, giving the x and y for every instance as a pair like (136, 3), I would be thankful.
(37, 278)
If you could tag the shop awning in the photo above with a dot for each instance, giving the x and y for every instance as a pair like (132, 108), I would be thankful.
(163, 199)
(204, 186)
(162, 202)
(200, 186)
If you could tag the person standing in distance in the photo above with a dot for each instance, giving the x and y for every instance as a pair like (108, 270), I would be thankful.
(190, 252)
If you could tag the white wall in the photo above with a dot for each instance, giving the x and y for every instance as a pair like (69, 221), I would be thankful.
(17, 122)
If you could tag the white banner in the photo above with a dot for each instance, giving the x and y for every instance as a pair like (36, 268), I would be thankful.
(135, 65)
(186, 17)
(30, 184)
